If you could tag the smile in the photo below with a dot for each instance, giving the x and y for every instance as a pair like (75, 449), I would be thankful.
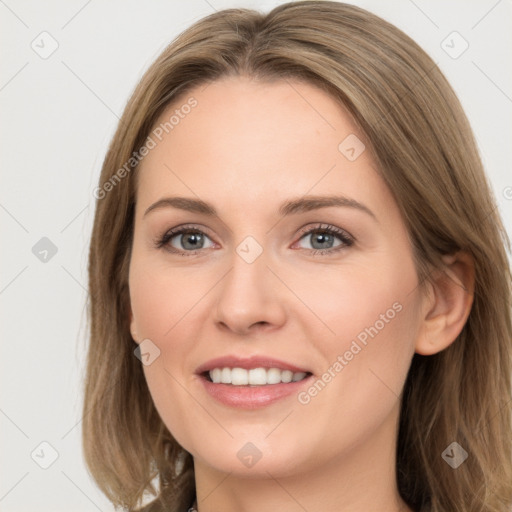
(253, 377)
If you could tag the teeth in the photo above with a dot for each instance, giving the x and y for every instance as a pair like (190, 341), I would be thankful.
(225, 376)
(239, 377)
(254, 377)
(257, 376)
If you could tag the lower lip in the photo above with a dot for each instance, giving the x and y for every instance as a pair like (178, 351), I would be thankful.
(252, 397)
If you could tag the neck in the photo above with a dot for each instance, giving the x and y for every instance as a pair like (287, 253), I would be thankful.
(359, 479)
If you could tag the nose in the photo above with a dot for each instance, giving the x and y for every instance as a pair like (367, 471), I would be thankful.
(250, 297)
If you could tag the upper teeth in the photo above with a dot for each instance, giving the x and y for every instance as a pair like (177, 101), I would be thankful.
(255, 376)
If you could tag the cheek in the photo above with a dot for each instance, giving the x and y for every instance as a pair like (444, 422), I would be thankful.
(162, 307)
(159, 297)
(366, 362)
(358, 300)
(372, 317)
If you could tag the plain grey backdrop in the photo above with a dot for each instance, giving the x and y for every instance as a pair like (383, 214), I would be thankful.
(67, 70)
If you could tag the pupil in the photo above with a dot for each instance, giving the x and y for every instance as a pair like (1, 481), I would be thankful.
(326, 238)
(188, 237)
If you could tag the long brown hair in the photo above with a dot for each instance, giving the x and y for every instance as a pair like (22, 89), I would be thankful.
(426, 153)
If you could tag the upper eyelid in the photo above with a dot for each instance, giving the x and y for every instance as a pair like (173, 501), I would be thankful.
(323, 226)
(307, 227)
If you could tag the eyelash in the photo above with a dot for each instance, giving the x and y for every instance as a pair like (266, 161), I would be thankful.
(346, 239)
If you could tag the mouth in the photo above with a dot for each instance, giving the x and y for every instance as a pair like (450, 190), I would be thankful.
(259, 376)
(250, 383)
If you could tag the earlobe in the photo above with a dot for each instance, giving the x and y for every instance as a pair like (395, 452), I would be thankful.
(447, 304)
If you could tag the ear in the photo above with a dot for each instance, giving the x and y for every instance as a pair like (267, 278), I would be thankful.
(446, 304)
(133, 327)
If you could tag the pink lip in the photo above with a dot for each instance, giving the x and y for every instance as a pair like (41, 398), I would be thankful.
(248, 363)
(250, 397)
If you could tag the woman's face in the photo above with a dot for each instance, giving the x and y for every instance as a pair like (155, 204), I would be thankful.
(264, 285)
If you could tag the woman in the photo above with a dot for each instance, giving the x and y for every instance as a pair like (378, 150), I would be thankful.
(300, 294)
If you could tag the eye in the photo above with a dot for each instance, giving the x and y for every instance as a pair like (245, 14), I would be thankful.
(189, 240)
(324, 236)
(183, 240)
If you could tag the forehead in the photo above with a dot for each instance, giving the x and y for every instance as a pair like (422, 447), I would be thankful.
(250, 139)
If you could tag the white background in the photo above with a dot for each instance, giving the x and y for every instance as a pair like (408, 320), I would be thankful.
(57, 117)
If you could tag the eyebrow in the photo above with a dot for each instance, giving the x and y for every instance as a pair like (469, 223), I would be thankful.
(295, 206)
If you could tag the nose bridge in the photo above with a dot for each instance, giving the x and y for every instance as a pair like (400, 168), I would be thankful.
(247, 294)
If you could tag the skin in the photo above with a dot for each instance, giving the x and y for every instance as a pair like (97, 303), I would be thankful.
(246, 148)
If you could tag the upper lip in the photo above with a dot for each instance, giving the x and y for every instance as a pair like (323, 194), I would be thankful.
(256, 361)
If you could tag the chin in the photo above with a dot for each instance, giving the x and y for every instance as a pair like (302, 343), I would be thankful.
(228, 461)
